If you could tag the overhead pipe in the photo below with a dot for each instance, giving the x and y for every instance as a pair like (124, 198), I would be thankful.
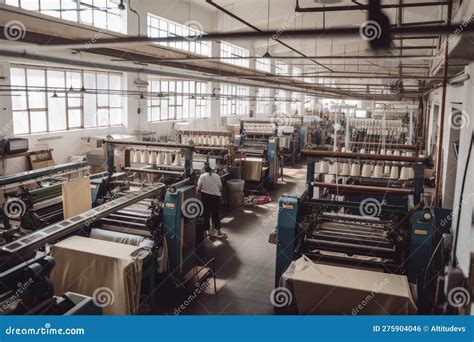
(210, 2)
(336, 32)
(361, 7)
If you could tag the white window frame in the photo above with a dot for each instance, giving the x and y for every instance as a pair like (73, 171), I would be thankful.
(161, 27)
(228, 50)
(113, 97)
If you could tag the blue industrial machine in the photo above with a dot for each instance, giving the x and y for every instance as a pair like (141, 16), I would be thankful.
(373, 224)
(259, 141)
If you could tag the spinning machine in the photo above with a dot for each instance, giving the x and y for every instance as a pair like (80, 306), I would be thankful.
(292, 136)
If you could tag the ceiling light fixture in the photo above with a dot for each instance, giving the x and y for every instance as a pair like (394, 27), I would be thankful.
(121, 6)
(54, 95)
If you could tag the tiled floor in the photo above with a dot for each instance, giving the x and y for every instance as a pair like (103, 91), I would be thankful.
(245, 262)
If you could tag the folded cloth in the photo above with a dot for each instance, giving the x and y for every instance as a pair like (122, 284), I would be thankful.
(109, 272)
(334, 290)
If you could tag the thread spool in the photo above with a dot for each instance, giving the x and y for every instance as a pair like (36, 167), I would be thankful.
(389, 152)
(324, 167)
(178, 160)
(394, 172)
(355, 170)
(133, 156)
(336, 168)
(343, 149)
(386, 169)
(411, 173)
(362, 150)
(396, 153)
(404, 173)
(383, 151)
(144, 157)
(346, 169)
(153, 157)
(168, 158)
(366, 170)
(372, 152)
(378, 171)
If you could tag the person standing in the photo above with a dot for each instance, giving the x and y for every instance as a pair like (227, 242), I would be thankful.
(210, 186)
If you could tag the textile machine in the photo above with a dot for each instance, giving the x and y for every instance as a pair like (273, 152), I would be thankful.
(292, 136)
(213, 147)
(34, 197)
(170, 164)
(363, 223)
(258, 139)
(26, 262)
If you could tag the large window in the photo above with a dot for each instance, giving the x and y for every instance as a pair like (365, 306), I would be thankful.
(230, 54)
(263, 101)
(234, 100)
(160, 27)
(99, 13)
(263, 64)
(177, 100)
(53, 99)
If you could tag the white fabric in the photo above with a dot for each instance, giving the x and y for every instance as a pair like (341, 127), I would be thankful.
(211, 184)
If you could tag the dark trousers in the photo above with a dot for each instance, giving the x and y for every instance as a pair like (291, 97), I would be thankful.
(211, 210)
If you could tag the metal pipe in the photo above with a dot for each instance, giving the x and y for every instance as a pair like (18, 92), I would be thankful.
(366, 7)
(439, 161)
(246, 35)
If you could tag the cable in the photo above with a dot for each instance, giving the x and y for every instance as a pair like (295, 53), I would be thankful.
(461, 200)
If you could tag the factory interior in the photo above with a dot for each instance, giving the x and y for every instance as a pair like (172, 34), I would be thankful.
(339, 134)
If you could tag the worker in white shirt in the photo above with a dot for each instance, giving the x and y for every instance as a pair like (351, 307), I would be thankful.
(210, 186)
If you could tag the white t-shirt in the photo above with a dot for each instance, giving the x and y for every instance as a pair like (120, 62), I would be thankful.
(211, 183)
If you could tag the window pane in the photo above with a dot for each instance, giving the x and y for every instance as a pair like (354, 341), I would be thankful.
(68, 7)
(19, 100)
(90, 110)
(74, 118)
(50, 7)
(20, 122)
(57, 112)
(38, 122)
(116, 116)
(32, 5)
(17, 77)
(103, 117)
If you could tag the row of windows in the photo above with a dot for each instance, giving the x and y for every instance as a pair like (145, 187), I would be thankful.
(263, 101)
(263, 64)
(48, 100)
(177, 99)
(160, 27)
(229, 52)
(234, 100)
(99, 13)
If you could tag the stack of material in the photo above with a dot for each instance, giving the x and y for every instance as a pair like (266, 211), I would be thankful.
(109, 272)
(333, 290)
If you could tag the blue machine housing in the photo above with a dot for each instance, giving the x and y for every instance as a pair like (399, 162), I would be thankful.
(179, 230)
(286, 234)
